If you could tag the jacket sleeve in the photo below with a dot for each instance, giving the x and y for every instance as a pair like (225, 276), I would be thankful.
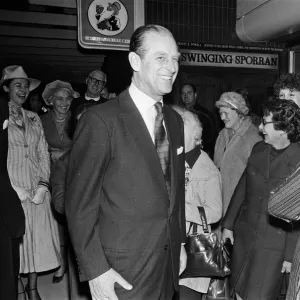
(88, 162)
(290, 244)
(235, 203)
(212, 201)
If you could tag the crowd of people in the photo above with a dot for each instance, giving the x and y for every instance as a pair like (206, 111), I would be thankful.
(107, 187)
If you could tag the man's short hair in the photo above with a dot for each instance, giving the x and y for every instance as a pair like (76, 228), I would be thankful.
(101, 73)
(137, 44)
(191, 85)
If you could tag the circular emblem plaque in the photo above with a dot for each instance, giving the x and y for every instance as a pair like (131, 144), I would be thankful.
(108, 18)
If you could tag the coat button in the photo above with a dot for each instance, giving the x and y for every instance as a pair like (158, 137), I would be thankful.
(25, 146)
(26, 156)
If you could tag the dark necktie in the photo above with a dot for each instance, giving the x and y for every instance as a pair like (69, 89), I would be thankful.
(162, 144)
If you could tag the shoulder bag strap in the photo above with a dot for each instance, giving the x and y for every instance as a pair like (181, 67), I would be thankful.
(203, 219)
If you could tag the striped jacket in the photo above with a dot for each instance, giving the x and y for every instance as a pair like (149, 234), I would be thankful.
(28, 158)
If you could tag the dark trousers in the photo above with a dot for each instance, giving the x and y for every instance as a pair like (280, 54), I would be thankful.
(9, 264)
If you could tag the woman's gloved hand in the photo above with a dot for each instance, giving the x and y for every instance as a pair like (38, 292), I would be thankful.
(39, 195)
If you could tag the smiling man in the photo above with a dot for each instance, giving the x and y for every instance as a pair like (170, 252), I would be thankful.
(125, 193)
(95, 82)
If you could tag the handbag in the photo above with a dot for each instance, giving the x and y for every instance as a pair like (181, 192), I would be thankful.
(284, 200)
(204, 252)
(219, 289)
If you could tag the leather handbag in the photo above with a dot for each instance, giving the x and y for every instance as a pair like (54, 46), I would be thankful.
(204, 252)
(219, 289)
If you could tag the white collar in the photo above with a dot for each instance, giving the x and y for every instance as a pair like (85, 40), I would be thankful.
(90, 98)
(142, 101)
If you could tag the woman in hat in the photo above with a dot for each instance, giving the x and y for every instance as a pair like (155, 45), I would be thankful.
(29, 170)
(58, 128)
(57, 122)
(234, 143)
(263, 246)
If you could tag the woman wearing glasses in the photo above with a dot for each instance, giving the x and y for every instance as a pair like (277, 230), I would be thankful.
(234, 143)
(263, 246)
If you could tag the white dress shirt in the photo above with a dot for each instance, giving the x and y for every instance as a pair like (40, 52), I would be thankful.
(145, 105)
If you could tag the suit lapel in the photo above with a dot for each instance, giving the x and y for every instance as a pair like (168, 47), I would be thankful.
(139, 131)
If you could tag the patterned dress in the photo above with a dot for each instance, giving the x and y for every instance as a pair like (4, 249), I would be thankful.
(28, 165)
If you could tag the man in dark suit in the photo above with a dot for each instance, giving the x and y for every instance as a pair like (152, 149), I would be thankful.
(125, 192)
(12, 219)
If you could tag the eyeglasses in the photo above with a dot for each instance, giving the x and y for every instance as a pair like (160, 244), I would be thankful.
(187, 93)
(265, 123)
(96, 81)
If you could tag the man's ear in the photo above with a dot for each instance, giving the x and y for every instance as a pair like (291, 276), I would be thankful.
(5, 88)
(135, 61)
(196, 95)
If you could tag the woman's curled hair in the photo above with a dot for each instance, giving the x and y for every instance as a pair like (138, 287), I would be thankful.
(287, 81)
(285, 116)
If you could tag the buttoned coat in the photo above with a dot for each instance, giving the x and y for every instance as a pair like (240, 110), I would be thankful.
(118, 209)
(261, 243)
(231, 156)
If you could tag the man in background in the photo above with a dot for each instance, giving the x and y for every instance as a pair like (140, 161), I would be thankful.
(95, 82)
(189, 99)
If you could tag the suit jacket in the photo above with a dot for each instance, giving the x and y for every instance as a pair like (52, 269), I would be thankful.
(117, 205)
(11, 211)
(261, 243)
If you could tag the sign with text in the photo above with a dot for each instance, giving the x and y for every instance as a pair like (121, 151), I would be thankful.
(105, 24)
(228, 59)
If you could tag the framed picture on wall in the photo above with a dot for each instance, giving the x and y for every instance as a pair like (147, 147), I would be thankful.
(108, 24)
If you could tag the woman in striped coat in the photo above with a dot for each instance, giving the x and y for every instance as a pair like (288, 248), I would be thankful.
(29, 170)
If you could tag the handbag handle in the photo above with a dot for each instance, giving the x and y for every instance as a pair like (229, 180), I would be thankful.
(203, 219)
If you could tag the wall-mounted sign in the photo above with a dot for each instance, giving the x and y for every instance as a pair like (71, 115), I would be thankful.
(107, 24)
(228, 59)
